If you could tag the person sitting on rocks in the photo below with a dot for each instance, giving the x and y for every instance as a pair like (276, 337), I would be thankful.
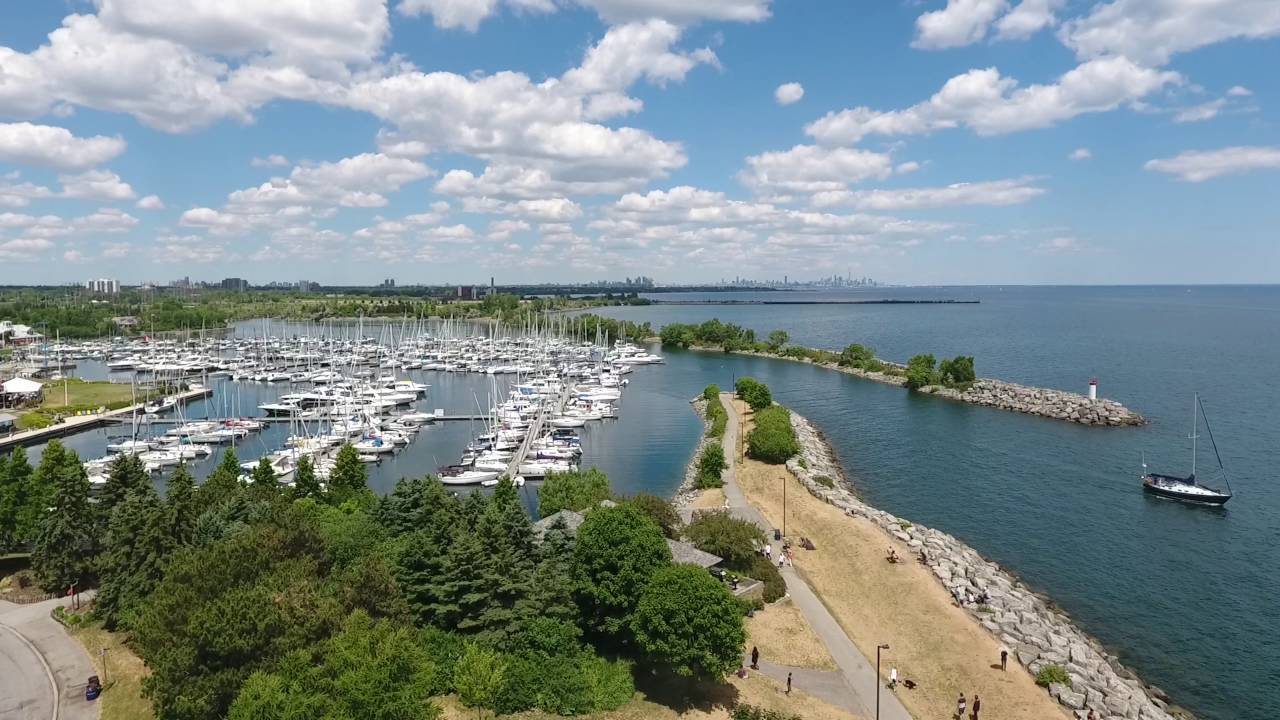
(924, 557)
(892, 555)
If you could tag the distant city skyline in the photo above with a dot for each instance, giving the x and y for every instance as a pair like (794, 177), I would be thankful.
(428, 141)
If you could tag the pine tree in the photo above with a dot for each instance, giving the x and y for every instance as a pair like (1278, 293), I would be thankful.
(28, 498)
(223, 483)
(183, 505)
(463, 590)
(264, 485)
(349, 476)
(139, 542)
(305, 482)
(125, 474)
(8, 507)
(414, 503)
(507, 568)
(552, 591)
(427, 519)
(64, 549)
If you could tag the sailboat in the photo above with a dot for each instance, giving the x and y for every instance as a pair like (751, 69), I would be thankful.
(1189, 488)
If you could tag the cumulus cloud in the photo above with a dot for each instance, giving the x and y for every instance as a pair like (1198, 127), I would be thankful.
(1200, 113)
(95, 185)
(23, 143)
(24, 249)
(992, 193)
(991, 104)
(1201, 165)
(358, 181)
(468, 14)
(1080, 154)
(789, 93)
(1060, 246)
(1028, 18)
(1153, 31)
(813, 168)
(961, 22)
(1239, 91)
(151, 202)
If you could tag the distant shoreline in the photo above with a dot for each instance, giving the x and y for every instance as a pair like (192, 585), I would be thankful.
(815, 302)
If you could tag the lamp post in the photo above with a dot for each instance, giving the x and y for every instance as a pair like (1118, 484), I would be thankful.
(878, 649)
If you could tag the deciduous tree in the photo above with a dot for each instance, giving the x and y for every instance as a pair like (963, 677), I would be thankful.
(688, 621)
(617, 551)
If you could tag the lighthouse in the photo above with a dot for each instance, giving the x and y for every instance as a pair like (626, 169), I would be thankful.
(1093, 388)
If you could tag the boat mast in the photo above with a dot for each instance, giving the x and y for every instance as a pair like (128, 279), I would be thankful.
(1213, 442)
(1195, 408)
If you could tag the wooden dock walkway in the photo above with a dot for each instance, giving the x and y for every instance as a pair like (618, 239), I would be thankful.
(535, 432)
(80, 423)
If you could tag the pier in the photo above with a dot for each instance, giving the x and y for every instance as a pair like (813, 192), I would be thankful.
(78, 423)
(535, 432)
(281, 419)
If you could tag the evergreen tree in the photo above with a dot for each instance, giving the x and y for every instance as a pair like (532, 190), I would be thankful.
(125, 474)
(349, 476)
(472, 509)
(139, 542)
(264, 485)
(463, 590)
(305, 482)
(223, 483)
(64, 550)
(423, 552)
(183, 505)
(507, 569)
(31, 494)
(552, 591)
(8, 507)
(414, 504)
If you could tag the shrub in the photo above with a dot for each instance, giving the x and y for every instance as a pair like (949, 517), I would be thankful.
(825, 481)
(733, 539)
(711, 394)
(742, 711)
(856, 355)
(766, 571)
(920, 372)
(710, 465)
(573, 490)
(660, 510)
(957, 371)
(773, 440)
(754, 393)
(1053, 674)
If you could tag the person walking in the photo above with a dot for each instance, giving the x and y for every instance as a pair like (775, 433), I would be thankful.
(768, 551)
(788, 683)
(755, 658)
(960, 707)
(1004, 659)
(977, 705)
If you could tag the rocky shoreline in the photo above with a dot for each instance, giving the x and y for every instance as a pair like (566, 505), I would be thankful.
(1036, 634)
(987, 392)
(688, 489)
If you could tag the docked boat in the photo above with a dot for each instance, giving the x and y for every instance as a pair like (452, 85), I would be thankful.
(1189, 489)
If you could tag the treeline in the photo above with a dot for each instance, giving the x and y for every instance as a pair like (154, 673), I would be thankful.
(254, 602)
(920, 371)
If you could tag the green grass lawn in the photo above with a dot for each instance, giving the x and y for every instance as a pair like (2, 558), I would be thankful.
(84, 393)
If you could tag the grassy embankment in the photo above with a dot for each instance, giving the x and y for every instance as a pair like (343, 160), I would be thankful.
(78, 396)
(122, 675)
(932, 642)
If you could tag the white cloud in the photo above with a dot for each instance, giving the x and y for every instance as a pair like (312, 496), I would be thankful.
(74, 256)
(993, 193)
(990, 104)
(630, 52)
(1239, 91)
(1080, 154)
(358, 181)
(1153, 31)
(1028, 18)
(546, 210)
(469, 13)
(269, 161)
(909, 166)
(24, 249)
(502, 230)
(21, 195)
(151, 202)
(812, 168)
(789, 93)
(95, 185)
(1198, 166)
(105, 220)
(186, 250)
(961, 22)
(116, 250)
(1199, 113)
(26, 144)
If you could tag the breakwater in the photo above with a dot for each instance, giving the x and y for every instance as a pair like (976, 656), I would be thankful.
(988, 392)
(688, 489)
(1036, 634)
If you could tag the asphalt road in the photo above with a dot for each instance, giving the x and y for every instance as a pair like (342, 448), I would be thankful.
(26, 692)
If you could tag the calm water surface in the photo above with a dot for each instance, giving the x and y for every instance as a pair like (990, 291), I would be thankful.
(1189, 596)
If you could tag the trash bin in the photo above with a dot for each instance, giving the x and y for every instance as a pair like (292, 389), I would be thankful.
(777, 534)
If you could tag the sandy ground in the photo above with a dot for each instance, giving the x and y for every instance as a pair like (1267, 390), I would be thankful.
(931, 641)
(756, 690)
(708, 500)
(783, 636)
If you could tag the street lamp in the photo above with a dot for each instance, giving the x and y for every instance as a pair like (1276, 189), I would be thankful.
(878, 649)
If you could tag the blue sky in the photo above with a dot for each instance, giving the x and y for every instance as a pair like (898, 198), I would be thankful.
(444, 141)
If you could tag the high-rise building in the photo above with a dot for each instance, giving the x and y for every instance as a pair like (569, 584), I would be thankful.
(103, 285)
(236, 284)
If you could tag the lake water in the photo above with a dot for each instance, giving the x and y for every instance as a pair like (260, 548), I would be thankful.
(1188, 596)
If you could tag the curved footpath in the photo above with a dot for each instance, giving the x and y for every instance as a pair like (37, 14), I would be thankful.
(1035, 634)
(43, 670)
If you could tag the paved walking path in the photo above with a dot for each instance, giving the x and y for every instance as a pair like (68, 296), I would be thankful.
(856, 690)
(42, 669)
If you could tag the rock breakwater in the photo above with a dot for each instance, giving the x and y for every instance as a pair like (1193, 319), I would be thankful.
(1036, 635)
(688, 489)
